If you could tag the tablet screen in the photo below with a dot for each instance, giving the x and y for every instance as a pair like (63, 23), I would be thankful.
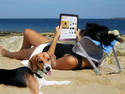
(69, 25)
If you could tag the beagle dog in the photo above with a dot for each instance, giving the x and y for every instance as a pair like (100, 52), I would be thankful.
(32, 76)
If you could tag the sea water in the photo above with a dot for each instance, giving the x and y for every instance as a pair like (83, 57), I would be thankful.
(48, 25)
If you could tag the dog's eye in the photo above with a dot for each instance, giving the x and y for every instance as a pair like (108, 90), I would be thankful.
(48, 59)
(40, 62)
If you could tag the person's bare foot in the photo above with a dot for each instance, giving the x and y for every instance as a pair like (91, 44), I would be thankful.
(2, 51)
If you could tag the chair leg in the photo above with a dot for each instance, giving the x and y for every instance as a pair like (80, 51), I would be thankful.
(117, 61)
(94, 66)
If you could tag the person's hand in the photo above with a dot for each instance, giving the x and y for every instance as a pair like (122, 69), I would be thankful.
(78, 34)
(58, 31)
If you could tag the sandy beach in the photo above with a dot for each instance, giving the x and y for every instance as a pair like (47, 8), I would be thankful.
(82, 81)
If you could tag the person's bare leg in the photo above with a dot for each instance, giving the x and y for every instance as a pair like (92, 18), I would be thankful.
(30, 38)
(66, 63)
(33, 38)
(69, 63)
(21, 55)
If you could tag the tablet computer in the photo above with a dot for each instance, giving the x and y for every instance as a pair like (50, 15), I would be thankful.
(69, 24)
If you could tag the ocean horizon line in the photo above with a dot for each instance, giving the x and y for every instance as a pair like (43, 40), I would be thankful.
(115, 18)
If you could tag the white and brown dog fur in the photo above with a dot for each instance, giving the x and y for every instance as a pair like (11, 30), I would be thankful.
(32, 76)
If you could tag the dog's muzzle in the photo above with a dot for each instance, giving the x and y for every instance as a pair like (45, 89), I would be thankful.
(47, 69)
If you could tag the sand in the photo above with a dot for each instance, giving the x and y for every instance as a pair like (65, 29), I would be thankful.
(82, 82)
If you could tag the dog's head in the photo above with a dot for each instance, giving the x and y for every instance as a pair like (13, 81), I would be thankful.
(42, 62)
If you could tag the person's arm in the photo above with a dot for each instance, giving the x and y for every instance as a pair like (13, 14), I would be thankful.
(51, 50)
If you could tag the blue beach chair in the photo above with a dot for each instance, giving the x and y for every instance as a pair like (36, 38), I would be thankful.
(91, 50)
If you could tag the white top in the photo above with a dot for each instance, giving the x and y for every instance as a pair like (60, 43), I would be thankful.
(39, 49)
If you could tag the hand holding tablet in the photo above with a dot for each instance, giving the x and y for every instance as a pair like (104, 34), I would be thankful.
(69, 24)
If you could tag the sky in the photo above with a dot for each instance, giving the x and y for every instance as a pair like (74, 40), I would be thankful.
(52, 8)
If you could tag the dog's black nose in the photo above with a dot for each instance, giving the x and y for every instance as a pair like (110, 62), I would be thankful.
(48, 68)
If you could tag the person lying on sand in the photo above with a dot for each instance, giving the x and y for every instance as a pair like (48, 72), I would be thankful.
(65, 58)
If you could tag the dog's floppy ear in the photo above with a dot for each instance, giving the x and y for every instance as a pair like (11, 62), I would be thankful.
(32, 63)
(53, 60)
